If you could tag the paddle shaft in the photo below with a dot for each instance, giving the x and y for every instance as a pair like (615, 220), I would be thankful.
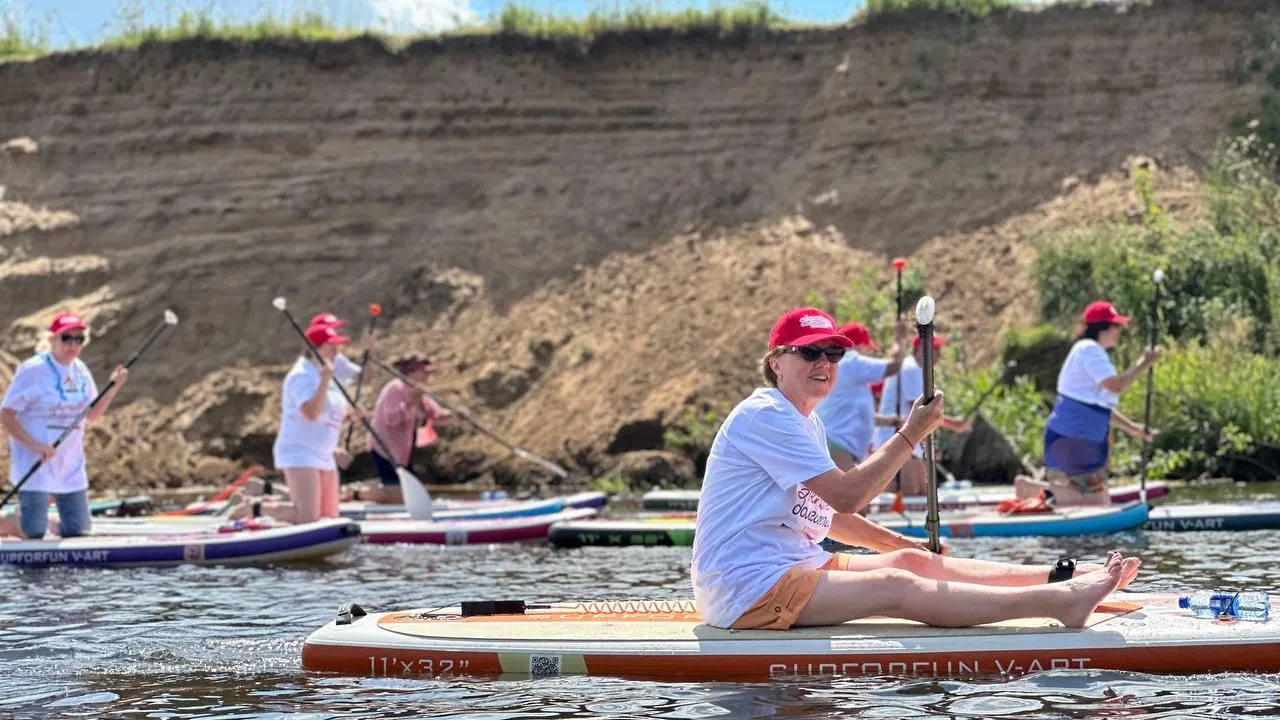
(931, 521)
(1146, 414)
(515, 449)
(364, 359)
(897, 385)
(146, 343)
(386, 451)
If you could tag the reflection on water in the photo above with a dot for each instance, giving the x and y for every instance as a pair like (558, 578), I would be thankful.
(225, 642)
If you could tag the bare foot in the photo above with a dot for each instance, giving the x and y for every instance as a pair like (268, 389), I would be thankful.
(1027, 487)
(1129, 568)
(1082, 594)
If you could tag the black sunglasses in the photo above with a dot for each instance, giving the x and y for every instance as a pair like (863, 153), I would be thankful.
(813, 352)
(77, 339)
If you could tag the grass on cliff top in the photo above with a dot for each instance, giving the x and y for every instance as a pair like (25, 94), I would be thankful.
(18, 39)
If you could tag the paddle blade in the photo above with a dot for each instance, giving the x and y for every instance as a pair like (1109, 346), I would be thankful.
(170, 317)
(280, 303)
(416, 498)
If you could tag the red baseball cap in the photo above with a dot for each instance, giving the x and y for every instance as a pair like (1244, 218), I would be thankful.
(65, 321)
(804, 326)
(858, 335)
(325, 334)
(938, 341)
(329, 319)
(1101, 311)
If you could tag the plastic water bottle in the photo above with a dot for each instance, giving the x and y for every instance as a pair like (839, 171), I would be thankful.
(1254, 606)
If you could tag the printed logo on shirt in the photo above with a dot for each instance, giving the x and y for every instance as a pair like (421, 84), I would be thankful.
(813, 514)
(816, 321)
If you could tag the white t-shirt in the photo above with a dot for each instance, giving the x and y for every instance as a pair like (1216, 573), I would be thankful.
(849, 412)
(755, 519)
(1087, 365)
(912, 378)
(303, 443)
(47, 397)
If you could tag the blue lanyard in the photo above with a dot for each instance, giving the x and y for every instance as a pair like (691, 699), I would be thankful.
(57, 377)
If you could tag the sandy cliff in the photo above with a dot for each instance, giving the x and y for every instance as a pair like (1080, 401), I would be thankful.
(588, 240)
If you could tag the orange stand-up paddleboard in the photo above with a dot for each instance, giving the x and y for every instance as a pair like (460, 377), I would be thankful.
(669, 641)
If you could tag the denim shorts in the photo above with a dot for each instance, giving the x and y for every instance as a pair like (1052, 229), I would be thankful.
(73, 512)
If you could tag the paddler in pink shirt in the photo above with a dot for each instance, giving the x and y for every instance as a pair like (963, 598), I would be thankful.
(401, 416)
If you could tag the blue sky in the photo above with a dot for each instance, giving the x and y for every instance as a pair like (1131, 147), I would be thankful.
(82, 22)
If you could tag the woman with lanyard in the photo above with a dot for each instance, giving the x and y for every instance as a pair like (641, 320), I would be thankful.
(849, 411)
(771, 493)
(911, 378)
(1077, 436)
(48, 392)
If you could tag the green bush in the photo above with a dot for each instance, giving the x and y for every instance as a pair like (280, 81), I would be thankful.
(973, 8)
(1213, 272)
(1214, 403)
(1016, 408)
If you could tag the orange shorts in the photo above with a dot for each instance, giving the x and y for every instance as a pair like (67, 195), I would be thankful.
(779, 607)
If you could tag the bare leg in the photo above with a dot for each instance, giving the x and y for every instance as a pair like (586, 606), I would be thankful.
(305, 489)
(1027, 487)
(891, 592)
(1067, 494)
(982, 572)
(11, 526)
(328, 483)
(913, 477)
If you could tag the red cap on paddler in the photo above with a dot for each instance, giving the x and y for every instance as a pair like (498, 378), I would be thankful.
(803, 326)
(1101, 311)
(65, 321)
(858, 335)
(325, 334)
(328, 319)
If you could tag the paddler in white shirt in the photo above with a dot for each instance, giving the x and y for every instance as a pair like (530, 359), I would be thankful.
(48, 392)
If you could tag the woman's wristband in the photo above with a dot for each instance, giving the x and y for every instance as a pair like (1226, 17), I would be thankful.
(904, 437)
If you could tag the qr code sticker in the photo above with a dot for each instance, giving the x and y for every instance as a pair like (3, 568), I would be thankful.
(544, 664)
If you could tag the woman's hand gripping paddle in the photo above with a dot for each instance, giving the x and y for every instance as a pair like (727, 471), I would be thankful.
(170, 319)
(416, 498)
(899, 505)
(925, 310)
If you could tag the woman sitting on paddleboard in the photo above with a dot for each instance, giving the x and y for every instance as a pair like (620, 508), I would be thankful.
(48, 392)
(849, 412)
(1077, 436)
(771, 493)
(402, 415)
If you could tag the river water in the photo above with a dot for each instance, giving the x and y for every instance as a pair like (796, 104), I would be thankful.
(193, 642)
